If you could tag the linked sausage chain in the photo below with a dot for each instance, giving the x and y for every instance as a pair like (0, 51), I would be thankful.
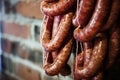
(88, 28)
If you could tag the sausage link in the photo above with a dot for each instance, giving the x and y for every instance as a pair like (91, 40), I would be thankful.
(98, 76)
(46, 29)
(46, 55)
(56, 8)
(98, 55)
(54, 32)
(74, 21)
(49, 1)
(44, 23)
(99, 16)
(83, 58)
(115, 11)
(47, 59)
(114, 45)
(84, 12)
(66, 70)
(79, 60)
(55, 67)
(64, 28)
(88, 48)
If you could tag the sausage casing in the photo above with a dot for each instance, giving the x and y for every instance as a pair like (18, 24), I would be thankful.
(98, 55)
(96, 22)
(64, 28)
(56, 8)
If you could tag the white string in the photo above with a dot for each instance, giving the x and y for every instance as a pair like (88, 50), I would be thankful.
(78, 3)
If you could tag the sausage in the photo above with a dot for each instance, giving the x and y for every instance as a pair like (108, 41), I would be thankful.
(64, 28)
(114, 45)
(88, 48)
(54, 32)
(83, 58)
(66, 70)
(97, 57)
(56, 27)
(55, 67)
(74, 21)
(47, 58)
(44, 22)
(99, 16)
(46, 55)
(113, 15)
(84, 12)
(79, 60)
(98, 76)
(49, 1)
(56, 8)
(46, 29)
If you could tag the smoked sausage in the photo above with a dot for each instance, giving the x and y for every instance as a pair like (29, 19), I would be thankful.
(99, 16)
(84, 12)
(64, 28)
(56, 8)
(98, 55)
(114, 45)
(114, 15)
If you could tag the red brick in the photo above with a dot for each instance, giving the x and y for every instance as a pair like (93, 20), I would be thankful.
(32, 55)
(6, 77)
(6, 45)
(17, 30)
(9, 46)
(29, 8)
(23, 52)
(27, 73)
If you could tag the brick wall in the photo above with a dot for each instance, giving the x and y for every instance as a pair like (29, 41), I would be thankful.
(21, 49)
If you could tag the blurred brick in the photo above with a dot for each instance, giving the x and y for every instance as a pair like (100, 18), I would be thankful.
(6, 45)
(35, 56)
(7, 77)
(11, 65)
(9, 46)
(7, 6)
(5, 63)
(37, 33)
(23, 52)
(17, 30)
(29, 8)
(32, 55)
(27, 73)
